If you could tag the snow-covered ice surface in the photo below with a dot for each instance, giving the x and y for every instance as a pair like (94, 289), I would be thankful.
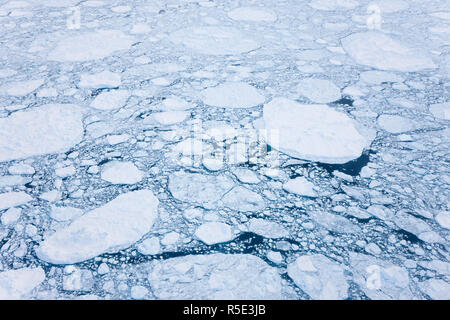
(175, 149)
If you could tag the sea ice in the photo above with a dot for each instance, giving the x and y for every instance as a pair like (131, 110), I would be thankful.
(18, 283)
(214, 40)
(394, 123)
(214, 232)
(118, 172)
(319, 90)
(232, 95)
(378, 50)
(109, 228)
(12, 199)
(268, 229)
(204, 190)
(441, 110)
(214, 276)
(320, 277)
(253, 14)
(21, 88)
(90, 46)
(38, 131)
(104, 79)
(313, 132)
(243, 199)
(300, 186)
(110, 100)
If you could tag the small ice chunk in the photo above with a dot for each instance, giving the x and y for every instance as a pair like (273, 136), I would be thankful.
(441, 110)
(91, 46)
(313, 132)
(110, 100)
(109, 228)
(139, 292)
(243, 199)
(214, 40)
(334, 222)
(233, 95)
(204, 190)
(443, 219)
(117, 138)
(51, 195)
(17, 284)
(104, 79)
(320, 277)
(118, 172)
(43, 130)
(140, 28)
(267, 229)
(378, 50)
(65, 172)
(175, 104)
(6, 181)
(395, 124)
(21, 169)
(214, 232)
(332, 5)
(319, 90)
(246, 176)
(149, 246)
(170, 238)
(10, 216)
(253, 14)
(275, 256)
(168, 118)
(77, 279)
(103, 268)
(13, 199)
(300, 186)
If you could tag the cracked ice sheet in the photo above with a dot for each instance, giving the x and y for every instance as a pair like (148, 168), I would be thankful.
(91, 115)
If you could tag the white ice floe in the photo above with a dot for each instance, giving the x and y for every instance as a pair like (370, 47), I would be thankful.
(391, 6)
(149, 246)
(436, 289)
(214, 40)
(214, 232)
(175, 104)
(10, 216)
(378, 50)
(300, 186)
(17, 284)
(245, 175)
(334, 222)
(90, 46)
(109, 228)
(167, 118)
(204, 190)
(394, 123)
(110, 100)
(319, 90)
(118, 172)
(320, 277)
(243, 199)
(232, 95)
(214, 276)
(21, 88)
(443, 219)
(380, 279)
(441, 110)
(268, 229)
(12, 199)
(38, 131)
(253, 14)
(65, 213)
(313, 132)
(138, 292)
(377, 77)
(104, 79)
(332, 5)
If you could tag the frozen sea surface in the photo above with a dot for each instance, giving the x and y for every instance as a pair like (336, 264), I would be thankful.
(224, 149)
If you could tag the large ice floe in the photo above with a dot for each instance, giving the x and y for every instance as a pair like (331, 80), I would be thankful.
(189, 149)
(313, 132)
(112, 227)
